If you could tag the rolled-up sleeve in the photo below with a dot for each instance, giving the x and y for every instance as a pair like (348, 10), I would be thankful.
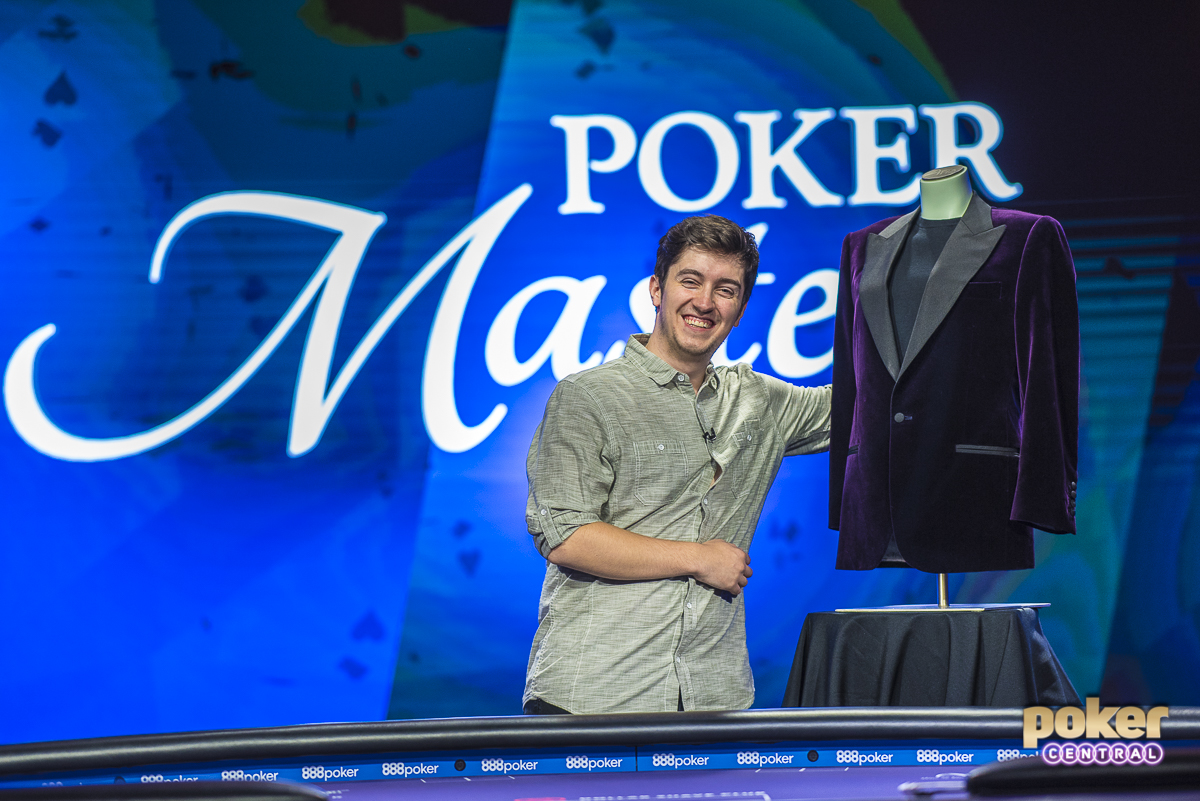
(802, 413)
(569, 469)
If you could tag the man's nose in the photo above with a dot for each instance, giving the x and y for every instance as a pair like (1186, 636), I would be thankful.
(704, 301)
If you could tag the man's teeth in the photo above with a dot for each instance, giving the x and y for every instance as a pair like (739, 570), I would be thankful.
(697, 322)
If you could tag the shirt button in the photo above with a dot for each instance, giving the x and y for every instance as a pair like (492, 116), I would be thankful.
(899, 418)
(681, 377)
(704, 501)
(660, 447)
(543, 511)
(749, 437)
(689, 606)
(677, 659)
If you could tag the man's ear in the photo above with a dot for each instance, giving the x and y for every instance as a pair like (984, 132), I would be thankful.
(655, 292)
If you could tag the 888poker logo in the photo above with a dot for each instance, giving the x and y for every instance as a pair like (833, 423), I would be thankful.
(593, 763)
(764, 760)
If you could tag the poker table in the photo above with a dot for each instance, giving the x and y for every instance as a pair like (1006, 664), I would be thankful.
(880, 753)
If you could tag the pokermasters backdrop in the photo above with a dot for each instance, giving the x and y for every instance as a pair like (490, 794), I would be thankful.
(286, 285)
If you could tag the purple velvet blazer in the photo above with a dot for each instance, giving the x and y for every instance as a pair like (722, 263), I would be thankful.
(971, 440)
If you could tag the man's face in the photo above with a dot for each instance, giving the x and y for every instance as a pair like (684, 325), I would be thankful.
(699, 304)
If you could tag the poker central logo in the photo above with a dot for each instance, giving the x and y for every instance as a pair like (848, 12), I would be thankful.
(1110, 722)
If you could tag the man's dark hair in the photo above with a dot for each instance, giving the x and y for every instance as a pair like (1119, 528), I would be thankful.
(711, 234)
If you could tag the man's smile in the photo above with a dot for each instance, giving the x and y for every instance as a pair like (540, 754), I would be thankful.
(697, 322)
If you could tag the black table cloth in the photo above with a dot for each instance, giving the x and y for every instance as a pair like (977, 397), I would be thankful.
(992, 657)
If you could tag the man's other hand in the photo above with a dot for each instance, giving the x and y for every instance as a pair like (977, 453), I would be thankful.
(614, 553)
(723, 566)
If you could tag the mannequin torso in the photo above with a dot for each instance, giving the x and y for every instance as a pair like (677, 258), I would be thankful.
(945, 195)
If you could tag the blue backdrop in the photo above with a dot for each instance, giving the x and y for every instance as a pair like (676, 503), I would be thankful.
(312, 273)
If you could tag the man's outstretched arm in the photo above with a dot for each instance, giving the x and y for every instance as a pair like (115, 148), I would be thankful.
(614, 553)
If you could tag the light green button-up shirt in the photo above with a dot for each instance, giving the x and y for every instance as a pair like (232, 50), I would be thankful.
(631, 443)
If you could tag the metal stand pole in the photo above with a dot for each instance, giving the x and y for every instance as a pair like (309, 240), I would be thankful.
(943, 592)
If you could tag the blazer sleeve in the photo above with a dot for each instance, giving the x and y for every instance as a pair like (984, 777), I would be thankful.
(844, 387)
(1047, 343)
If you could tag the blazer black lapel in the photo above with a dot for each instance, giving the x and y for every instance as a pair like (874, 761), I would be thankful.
(968, 248)
(873, 292)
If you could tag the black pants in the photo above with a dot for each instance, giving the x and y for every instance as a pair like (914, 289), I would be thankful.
(536, 706)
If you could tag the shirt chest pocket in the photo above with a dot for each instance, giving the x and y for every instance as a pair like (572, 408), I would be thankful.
(743, 457)
(661, 470)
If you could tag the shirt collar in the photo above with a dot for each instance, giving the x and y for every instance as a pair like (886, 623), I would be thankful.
(662, 373)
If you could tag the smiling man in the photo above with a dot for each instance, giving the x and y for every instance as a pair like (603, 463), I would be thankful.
(646, 480)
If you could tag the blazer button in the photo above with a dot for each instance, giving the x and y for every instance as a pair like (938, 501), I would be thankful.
(899, 418)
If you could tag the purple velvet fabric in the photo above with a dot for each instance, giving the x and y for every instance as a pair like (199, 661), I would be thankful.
(972, 439)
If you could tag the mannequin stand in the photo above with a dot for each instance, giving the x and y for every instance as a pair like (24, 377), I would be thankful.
(992, 655)
(1001, 657)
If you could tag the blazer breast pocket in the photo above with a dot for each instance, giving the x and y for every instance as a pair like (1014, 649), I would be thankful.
(983, 290)
(662, 470)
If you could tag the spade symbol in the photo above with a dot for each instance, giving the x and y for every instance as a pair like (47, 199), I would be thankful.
(61, 91)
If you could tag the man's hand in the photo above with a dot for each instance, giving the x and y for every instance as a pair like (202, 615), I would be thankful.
(723, 566)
